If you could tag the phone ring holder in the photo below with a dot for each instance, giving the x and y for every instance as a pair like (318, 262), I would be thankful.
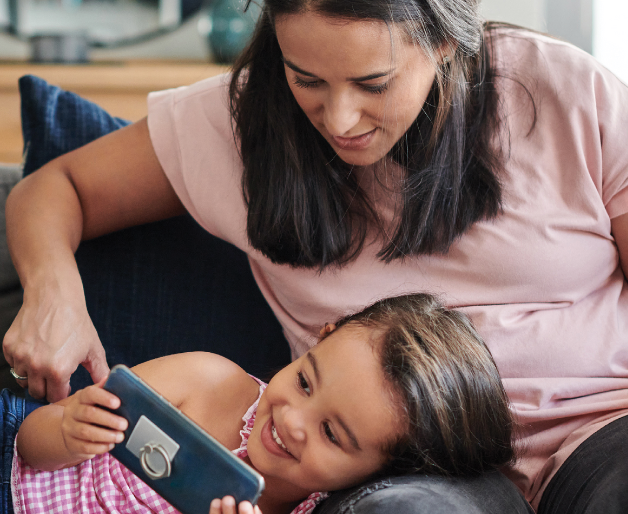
(150, 449)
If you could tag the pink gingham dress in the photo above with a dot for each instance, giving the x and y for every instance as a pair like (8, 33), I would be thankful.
(104, 486)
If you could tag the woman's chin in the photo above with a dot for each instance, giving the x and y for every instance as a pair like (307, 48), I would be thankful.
(360, 158)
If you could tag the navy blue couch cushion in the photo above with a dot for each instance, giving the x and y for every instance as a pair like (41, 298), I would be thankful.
(160, 288)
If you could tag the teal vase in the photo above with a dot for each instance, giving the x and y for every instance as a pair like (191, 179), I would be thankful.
(229, 28)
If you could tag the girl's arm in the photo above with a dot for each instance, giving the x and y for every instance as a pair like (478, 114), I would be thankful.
(71, 431)
(111, 183)
(211, 390)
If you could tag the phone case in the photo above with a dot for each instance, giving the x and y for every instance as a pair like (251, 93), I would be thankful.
(172, 454)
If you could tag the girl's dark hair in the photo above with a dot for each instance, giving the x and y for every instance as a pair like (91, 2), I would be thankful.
(305, 207)
(457, 416)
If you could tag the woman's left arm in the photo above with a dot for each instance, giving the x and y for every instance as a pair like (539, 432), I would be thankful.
(619, 229)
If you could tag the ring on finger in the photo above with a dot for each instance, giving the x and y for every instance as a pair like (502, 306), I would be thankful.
(16, 376)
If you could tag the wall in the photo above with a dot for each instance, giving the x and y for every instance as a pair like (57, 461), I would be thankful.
(598, 26)
(529, 13)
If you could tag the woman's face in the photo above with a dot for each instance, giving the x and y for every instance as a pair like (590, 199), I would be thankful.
(323, 420)
(360, 83)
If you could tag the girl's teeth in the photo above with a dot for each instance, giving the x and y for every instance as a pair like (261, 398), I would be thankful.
(278, 439)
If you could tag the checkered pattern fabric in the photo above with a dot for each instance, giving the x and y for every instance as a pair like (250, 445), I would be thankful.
(100, 485)
(104, 486)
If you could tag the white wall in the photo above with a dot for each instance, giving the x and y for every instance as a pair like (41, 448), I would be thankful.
(610, 35)
(529, 13)
(598, 26)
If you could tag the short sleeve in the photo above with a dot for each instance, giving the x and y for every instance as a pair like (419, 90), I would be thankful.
(192, 135)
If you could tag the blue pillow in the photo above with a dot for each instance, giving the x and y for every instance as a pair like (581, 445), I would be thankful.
(55, 121)
(156, 289)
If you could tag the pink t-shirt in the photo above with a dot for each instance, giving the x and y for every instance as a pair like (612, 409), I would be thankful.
(541, 282)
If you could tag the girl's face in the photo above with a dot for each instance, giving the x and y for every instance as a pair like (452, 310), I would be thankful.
(323, 420)
(360, 83)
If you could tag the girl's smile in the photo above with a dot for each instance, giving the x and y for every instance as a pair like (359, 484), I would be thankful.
(272, 442)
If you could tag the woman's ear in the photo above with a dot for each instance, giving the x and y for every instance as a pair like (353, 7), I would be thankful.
(326, 330)
(445, 53)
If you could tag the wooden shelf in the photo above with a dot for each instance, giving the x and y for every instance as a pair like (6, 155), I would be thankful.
(120, 89)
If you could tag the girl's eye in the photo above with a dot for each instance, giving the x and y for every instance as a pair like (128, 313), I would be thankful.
(302, 382)
(376, 89)
(329, 434)
(299, 82)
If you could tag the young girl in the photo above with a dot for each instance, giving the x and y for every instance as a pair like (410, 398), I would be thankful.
(403, 386)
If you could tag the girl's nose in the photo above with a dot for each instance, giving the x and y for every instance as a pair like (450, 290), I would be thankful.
(294, 423)
(341, 113)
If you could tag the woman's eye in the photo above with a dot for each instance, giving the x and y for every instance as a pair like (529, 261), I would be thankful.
(329, 434)
(377, 89)
(303, 383)
(299, 82)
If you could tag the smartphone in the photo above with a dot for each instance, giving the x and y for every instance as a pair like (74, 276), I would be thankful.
(172, 454)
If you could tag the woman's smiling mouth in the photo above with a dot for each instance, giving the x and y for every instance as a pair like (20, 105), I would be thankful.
(355, 143)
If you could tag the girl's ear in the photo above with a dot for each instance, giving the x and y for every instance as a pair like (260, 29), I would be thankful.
(326, 330)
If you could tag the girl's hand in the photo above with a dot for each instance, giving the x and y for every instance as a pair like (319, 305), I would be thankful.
(228, 506)
(88, 429)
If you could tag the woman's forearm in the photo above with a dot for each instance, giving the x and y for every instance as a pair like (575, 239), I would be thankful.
(44, 225)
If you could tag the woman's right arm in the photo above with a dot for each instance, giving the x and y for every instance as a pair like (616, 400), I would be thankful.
(109, 184)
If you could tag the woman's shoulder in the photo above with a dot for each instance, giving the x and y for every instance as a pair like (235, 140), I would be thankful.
(529, 52)
(214, 84)
(559, 77)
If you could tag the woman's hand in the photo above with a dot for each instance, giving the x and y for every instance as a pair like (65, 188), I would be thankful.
(51, 335)
(111, 183)
(228, 506)
(88, 429)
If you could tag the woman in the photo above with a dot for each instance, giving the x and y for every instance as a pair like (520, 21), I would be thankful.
(382, 148)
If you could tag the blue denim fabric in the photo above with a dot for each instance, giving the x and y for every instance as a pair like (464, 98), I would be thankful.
(161, 288)
(490, 493)
(13, 410)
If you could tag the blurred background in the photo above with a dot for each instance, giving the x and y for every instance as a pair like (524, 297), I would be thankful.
(182, 30)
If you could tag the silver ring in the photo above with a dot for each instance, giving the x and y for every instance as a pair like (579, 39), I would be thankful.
(16, 376)
(145, 451)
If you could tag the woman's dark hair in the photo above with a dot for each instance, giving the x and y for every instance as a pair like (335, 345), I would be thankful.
(305, 207)
(450, 395)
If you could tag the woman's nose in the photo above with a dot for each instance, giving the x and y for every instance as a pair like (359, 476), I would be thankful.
(341, 113)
